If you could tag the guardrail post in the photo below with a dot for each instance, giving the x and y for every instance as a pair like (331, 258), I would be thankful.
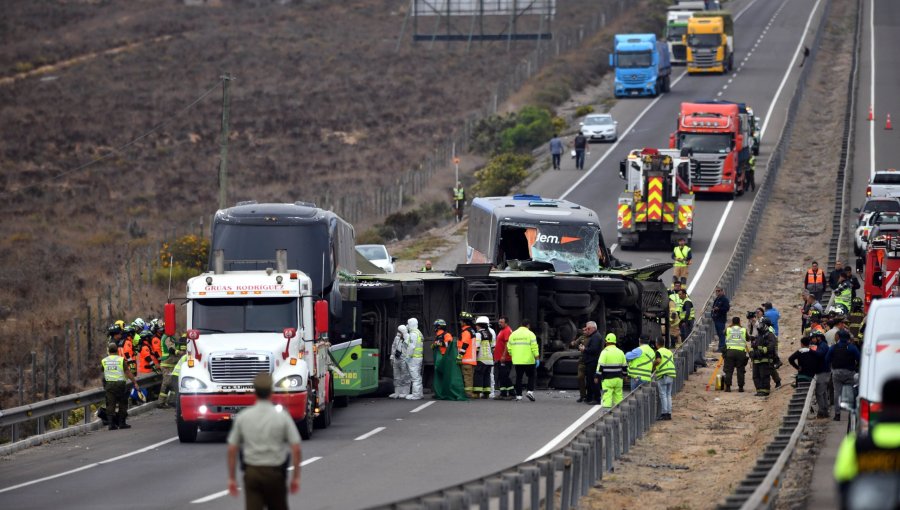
(583, 467)
(561, 463)
(515, 483)
(533, 479)
(496, 487)
(477, 494)
(566, 493)
(546, 470)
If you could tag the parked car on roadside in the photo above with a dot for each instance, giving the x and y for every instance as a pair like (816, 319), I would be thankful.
(378, 255)
(877, 204)
(880, 360)
(885, 183)
(869, 223)
(600, 127)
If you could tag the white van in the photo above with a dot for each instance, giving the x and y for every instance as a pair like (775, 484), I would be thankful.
(880, 358)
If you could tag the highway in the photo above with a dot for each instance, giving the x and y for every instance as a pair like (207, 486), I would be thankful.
(380, 450)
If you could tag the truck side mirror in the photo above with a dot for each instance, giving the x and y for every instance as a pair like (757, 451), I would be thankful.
(739, 142)
(290, 332)
(612, 60)
(320, 319)
(672, 141)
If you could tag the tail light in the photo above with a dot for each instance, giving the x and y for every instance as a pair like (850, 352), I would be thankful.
(868, 409)
(868, 191)
(868, 298)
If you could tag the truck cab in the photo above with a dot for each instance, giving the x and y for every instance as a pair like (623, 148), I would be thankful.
(709, 42)
(642, 65)
(710, 133)
(676, 29)
(241, 323)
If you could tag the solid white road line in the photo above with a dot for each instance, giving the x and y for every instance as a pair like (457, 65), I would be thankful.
(872, 88)
(217, 495)
(564, 434)
(712, 244)
(89, 466)
(423, 406)
(369, 434)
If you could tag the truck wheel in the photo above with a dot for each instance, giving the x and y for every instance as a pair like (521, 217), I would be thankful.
(187, 430)
(564, 382)
(667, 85)
(306, 424)
(568, 366)
(571, 284)
(567, 300)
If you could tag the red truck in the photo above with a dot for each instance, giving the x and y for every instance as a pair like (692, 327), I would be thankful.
(710, 133)
(882, 276)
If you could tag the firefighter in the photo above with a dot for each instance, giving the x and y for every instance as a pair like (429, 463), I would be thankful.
(686, 315)
(126, 347)
(169, 388)
(485, 356)
(115, 372)
(682, 256)
(610, 371)
(762, 353)
(735, 355)
(873, 458)
(466, 352)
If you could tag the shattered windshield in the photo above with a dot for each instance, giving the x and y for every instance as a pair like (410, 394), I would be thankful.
(568, 247)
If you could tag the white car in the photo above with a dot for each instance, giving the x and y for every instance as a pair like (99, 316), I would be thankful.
(378, 255)
(600, 127)
(862, 234)
(870, 224)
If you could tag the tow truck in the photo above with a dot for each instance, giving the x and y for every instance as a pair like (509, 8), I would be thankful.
(242, 323)
(882, 275)
(657, 201)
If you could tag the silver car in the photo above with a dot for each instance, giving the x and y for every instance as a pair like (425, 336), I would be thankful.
(600, 127)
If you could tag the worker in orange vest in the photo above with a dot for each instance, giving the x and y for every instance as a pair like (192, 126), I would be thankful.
(814, 281)
(126, 348)
(466, 349)
(147, 361)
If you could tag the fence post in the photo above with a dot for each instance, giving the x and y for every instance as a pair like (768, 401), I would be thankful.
(68, 358)
(47, 370)
(88, 333)
(79, 359)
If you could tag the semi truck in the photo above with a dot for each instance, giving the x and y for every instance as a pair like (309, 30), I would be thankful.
(676, 29)
(710, 133)
(642, 65)
(242, 323)
(710, 42)
(657, 203)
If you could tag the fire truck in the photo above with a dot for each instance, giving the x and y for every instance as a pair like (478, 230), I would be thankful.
(657, 201)
(242, 323)
(711, 135)
(882, 276)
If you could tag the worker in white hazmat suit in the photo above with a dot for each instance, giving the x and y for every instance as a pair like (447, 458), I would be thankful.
(399, 364)
(414, 360)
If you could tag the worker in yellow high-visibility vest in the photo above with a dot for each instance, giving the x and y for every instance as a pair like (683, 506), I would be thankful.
(610, 372)
(682, 257)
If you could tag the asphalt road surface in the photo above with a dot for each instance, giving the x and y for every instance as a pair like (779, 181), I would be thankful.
(381, 450)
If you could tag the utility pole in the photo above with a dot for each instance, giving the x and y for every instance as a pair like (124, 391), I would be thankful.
(223, 148)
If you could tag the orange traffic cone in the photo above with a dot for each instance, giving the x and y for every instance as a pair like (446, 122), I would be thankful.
(871, 113)
(887, 123)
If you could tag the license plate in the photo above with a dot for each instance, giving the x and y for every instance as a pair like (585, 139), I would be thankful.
(704, 188)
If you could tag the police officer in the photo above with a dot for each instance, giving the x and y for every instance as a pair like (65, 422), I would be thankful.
(865, 461)
(610, 370)
(735, 356)
(115, 373)
(762, 353)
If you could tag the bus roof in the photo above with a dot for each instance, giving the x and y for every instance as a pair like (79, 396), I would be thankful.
(534, 209)
(253, 213)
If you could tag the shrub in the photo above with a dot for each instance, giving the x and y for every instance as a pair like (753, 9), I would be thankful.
(403, 223)
(188, 255)
(486, 133)
(502, 173)
(534, 126)
(559, 124)
(583, 110)
(552, 93)
(371, 236)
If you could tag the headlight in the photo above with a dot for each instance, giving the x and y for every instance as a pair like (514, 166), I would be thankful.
(291, 382)
(191, 384)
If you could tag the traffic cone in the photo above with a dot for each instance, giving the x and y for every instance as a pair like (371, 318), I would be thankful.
(887, 123)
(871, 113)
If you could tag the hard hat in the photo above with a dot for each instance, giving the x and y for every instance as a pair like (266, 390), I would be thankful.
(138, 323)
(146, 335)
(466, 316)
(764, 322)
(129, 330)
(440, 323)
(115, 329)
(610, 338)
(482, 320)
(814, 314)
(817, 332)
(120, 323)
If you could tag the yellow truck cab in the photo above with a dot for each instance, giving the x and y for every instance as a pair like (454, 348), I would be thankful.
(709, 42)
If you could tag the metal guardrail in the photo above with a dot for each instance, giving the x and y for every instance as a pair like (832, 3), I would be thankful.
(60, 407)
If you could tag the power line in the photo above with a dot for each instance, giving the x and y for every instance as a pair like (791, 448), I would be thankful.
(124, 146)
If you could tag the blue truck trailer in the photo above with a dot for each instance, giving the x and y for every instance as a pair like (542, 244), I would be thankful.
(642, 65)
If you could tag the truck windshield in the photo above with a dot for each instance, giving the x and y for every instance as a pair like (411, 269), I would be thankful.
(674, 32)
(244, 315)
(705, 40)
(705, 143)
(633, 59)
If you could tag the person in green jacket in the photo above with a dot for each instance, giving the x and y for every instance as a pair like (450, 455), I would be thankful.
(610, 371)
(867, 467)
(523, 349)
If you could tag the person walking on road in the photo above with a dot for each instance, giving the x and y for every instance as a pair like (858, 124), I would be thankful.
(448, 380)
(115, 373)
(735, 354)
(610, 371)
(683, 258)
(814, 281)
(414, 358)
(523, 349)
(843, 358)
(502, 361)
(664, 368)
(590, 355)
(399, 352)
(268, 442)
(720, 309)
(640, 363)
(556, 150)
(581, 145)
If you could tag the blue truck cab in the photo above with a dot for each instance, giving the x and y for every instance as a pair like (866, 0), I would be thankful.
(642, 65)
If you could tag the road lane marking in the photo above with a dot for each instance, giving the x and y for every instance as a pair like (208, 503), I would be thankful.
(217, 495)
(564, 434)
(306, 462)
(89, 466)
(872, 89)
(787, 74)
(370, 434)
(423, 406)
(613, 247)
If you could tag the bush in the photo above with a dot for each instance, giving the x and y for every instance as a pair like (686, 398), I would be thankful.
(402, 223)
(559, 124)
(371, 236)
(188, 255)
(534, 126)
(501, 174)
(583, 110)
(486, 134)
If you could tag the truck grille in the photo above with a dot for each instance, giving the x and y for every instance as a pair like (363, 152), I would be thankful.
(707, 173)
(679, 51)
(705, 60)
(633, 79)
(241, 368)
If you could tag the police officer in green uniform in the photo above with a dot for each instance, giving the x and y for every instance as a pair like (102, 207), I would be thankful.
(115, 373)
(867, 467)
(735, 356)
